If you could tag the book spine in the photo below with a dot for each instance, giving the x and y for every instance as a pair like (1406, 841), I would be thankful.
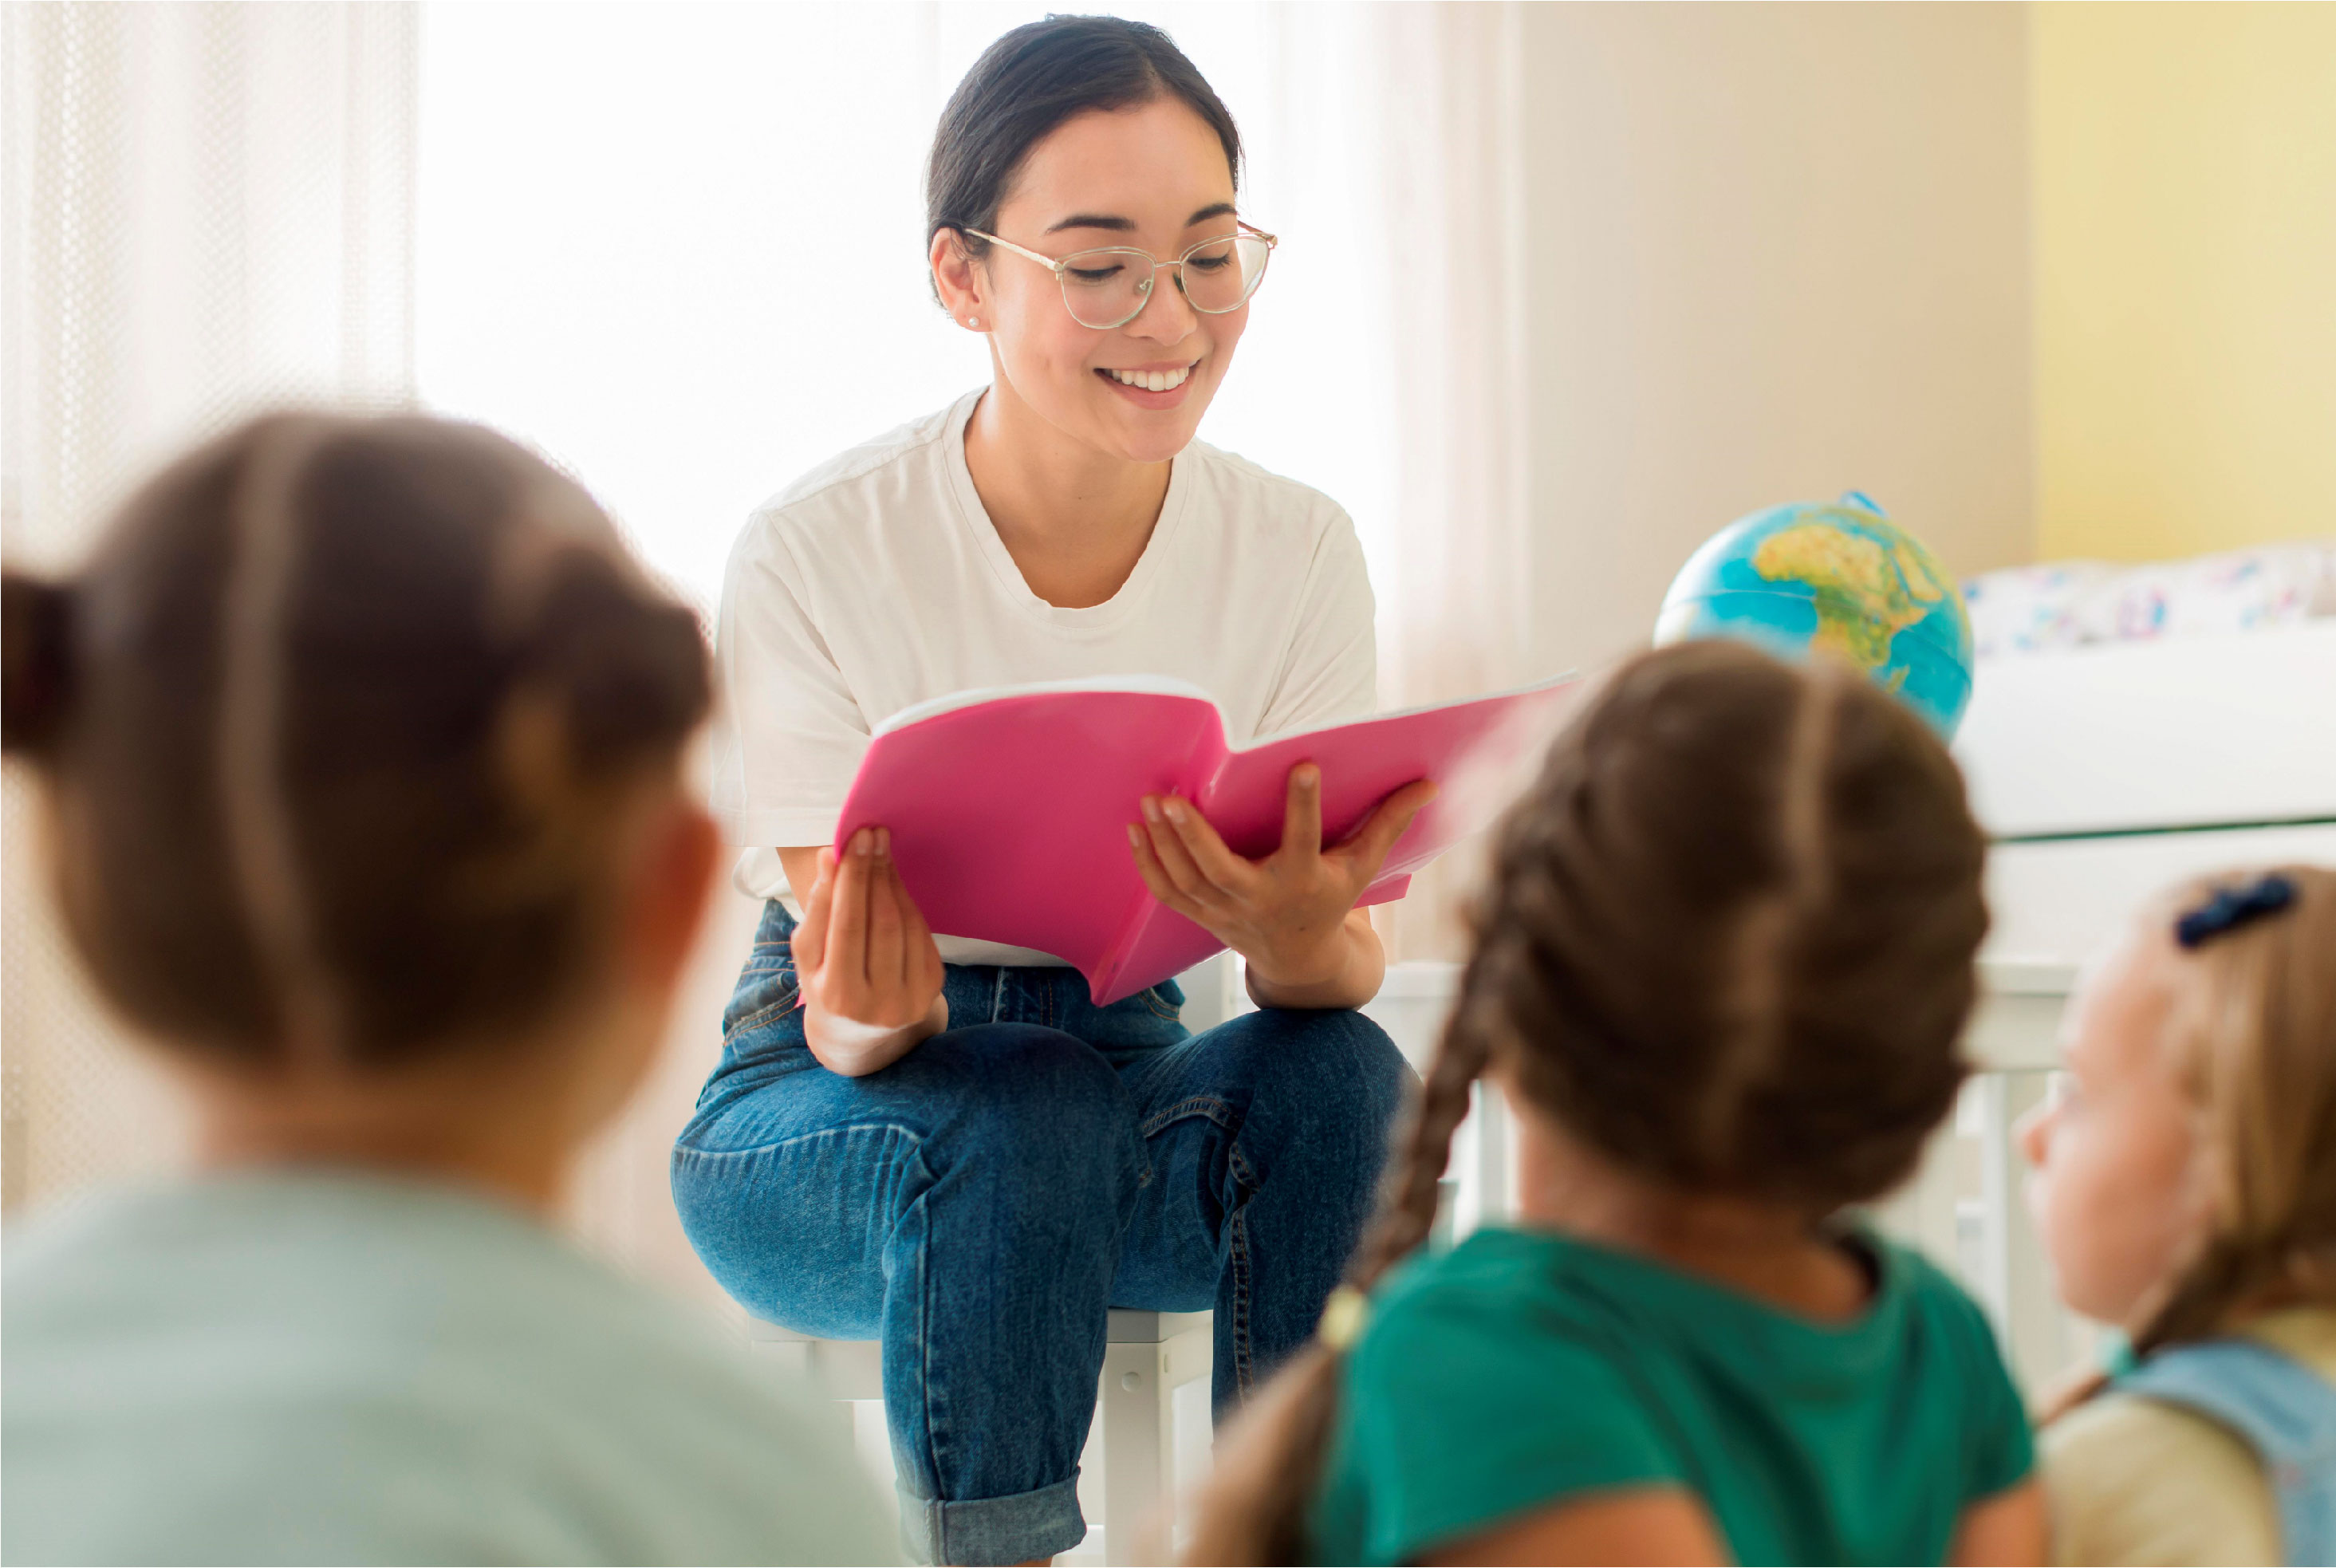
(1200, 788)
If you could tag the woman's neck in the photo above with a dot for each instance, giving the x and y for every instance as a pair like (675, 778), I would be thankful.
(1774, 1254)
(1075, 520)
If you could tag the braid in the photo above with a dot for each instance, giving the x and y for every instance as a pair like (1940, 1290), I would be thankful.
(1254, 1508)
(1408, 1202)
(1726, 944)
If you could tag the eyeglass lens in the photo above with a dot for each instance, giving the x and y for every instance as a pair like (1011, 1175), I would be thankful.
(1107, 287)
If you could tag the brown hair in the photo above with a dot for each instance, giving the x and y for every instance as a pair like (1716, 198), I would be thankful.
(335, 727)
(2255, 1030)
(1030, 81)
(1727, 942)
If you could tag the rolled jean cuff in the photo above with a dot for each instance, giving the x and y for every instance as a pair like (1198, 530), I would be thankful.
(1016, 1529)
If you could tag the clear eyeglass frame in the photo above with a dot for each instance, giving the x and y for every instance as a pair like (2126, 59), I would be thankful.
(1151, 266)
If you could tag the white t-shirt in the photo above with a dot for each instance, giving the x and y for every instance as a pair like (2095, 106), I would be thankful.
(878, 581)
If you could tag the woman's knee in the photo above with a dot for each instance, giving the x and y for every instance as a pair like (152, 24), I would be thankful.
(1335, 1059)
(1043, 1102)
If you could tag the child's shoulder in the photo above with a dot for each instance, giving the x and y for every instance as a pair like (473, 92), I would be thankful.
(2164, 1467)
(2131, 1479)
(1502, 1301)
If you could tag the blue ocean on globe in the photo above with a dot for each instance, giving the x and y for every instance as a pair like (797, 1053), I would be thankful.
(1836, 577)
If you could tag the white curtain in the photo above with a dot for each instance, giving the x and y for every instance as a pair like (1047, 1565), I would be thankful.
(679, 248)
(209, 209)
(1452, 560)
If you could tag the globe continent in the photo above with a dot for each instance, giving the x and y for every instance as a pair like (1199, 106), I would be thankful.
(1838, 579)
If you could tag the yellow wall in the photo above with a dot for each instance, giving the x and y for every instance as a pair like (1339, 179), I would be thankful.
(2184, 190)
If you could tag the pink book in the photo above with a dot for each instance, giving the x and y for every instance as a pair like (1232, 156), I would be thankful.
(1008, 807)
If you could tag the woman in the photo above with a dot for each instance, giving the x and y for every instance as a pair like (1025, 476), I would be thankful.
(988, 1161)
(361, 743)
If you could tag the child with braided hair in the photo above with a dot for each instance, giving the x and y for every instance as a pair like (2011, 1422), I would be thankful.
(2185, 1192)
(1719, 971)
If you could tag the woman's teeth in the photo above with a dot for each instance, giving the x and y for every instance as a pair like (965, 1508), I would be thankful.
(1151, 380)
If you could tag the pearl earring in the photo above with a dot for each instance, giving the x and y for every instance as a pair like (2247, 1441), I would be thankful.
(974, 322)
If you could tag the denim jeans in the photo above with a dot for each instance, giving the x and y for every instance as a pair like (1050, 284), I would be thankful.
(979, 1204)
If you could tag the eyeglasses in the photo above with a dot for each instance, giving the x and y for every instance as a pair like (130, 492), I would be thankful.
(1109, 286)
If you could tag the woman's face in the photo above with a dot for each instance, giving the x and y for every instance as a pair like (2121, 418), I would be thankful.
(2117, 1189)
(1153, 176)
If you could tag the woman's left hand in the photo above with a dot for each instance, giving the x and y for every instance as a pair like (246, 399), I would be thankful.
(1287, 913)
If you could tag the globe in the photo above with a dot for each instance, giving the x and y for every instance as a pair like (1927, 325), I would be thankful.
(1838, 579)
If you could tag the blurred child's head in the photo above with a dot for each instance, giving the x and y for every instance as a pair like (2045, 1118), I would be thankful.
(2185, 1175)
(1725, 947)
(1727, 940)
(360, 742)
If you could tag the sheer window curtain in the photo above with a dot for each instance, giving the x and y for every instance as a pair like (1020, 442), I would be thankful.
(680, 249)
(208, 210)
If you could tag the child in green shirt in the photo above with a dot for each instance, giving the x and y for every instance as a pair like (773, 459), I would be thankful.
(1720, 972)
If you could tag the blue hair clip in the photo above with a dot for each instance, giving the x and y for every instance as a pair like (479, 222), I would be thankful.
(2232, 908)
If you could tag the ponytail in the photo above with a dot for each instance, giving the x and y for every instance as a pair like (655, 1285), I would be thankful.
(36, 685)
(1270, 1466)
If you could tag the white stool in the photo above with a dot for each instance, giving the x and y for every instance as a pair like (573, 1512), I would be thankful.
(1147, 1356)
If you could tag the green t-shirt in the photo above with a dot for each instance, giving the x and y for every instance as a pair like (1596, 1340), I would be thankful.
(1520, 1369)
(309, 1367)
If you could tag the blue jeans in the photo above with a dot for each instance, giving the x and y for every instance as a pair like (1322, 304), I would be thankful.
(979, 1204)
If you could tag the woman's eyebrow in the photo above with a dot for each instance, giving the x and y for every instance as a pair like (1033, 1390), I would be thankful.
(1092, 221)
(1127, 225)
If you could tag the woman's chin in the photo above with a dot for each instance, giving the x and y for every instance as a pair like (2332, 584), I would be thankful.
(1143, 435)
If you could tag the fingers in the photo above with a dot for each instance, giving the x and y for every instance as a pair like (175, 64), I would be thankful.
(884, 895)
(1227, 873)
(1173, 852)
(1156, 876)
(1367, 847)
(847, 935)
(808, 945)
(1301, 815)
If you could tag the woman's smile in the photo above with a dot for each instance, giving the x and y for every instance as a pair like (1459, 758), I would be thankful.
(1151, 386)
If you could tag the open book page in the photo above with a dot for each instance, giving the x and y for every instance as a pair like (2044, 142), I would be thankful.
(1008, 817)
(1009, 809)
(1478, 751)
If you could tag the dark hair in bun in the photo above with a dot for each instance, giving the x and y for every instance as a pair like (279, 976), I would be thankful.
(340, 726)
(35, 662)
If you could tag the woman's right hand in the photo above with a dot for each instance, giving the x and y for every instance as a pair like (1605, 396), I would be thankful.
(866, 965)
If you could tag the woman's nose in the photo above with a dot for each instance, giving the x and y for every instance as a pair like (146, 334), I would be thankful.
(1167, 316)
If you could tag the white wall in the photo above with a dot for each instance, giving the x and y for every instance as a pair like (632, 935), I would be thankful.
(1778, 251)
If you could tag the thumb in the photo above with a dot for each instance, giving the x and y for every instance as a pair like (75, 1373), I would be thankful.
(1368, 845)
(809, 944)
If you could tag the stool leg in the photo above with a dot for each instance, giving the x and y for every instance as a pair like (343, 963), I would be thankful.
(1136, 1445)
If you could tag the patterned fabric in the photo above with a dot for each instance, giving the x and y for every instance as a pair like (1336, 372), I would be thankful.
(2064, 604)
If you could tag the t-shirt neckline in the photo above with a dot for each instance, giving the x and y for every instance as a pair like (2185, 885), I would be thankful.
(1011, 581)
(1666, 1287)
